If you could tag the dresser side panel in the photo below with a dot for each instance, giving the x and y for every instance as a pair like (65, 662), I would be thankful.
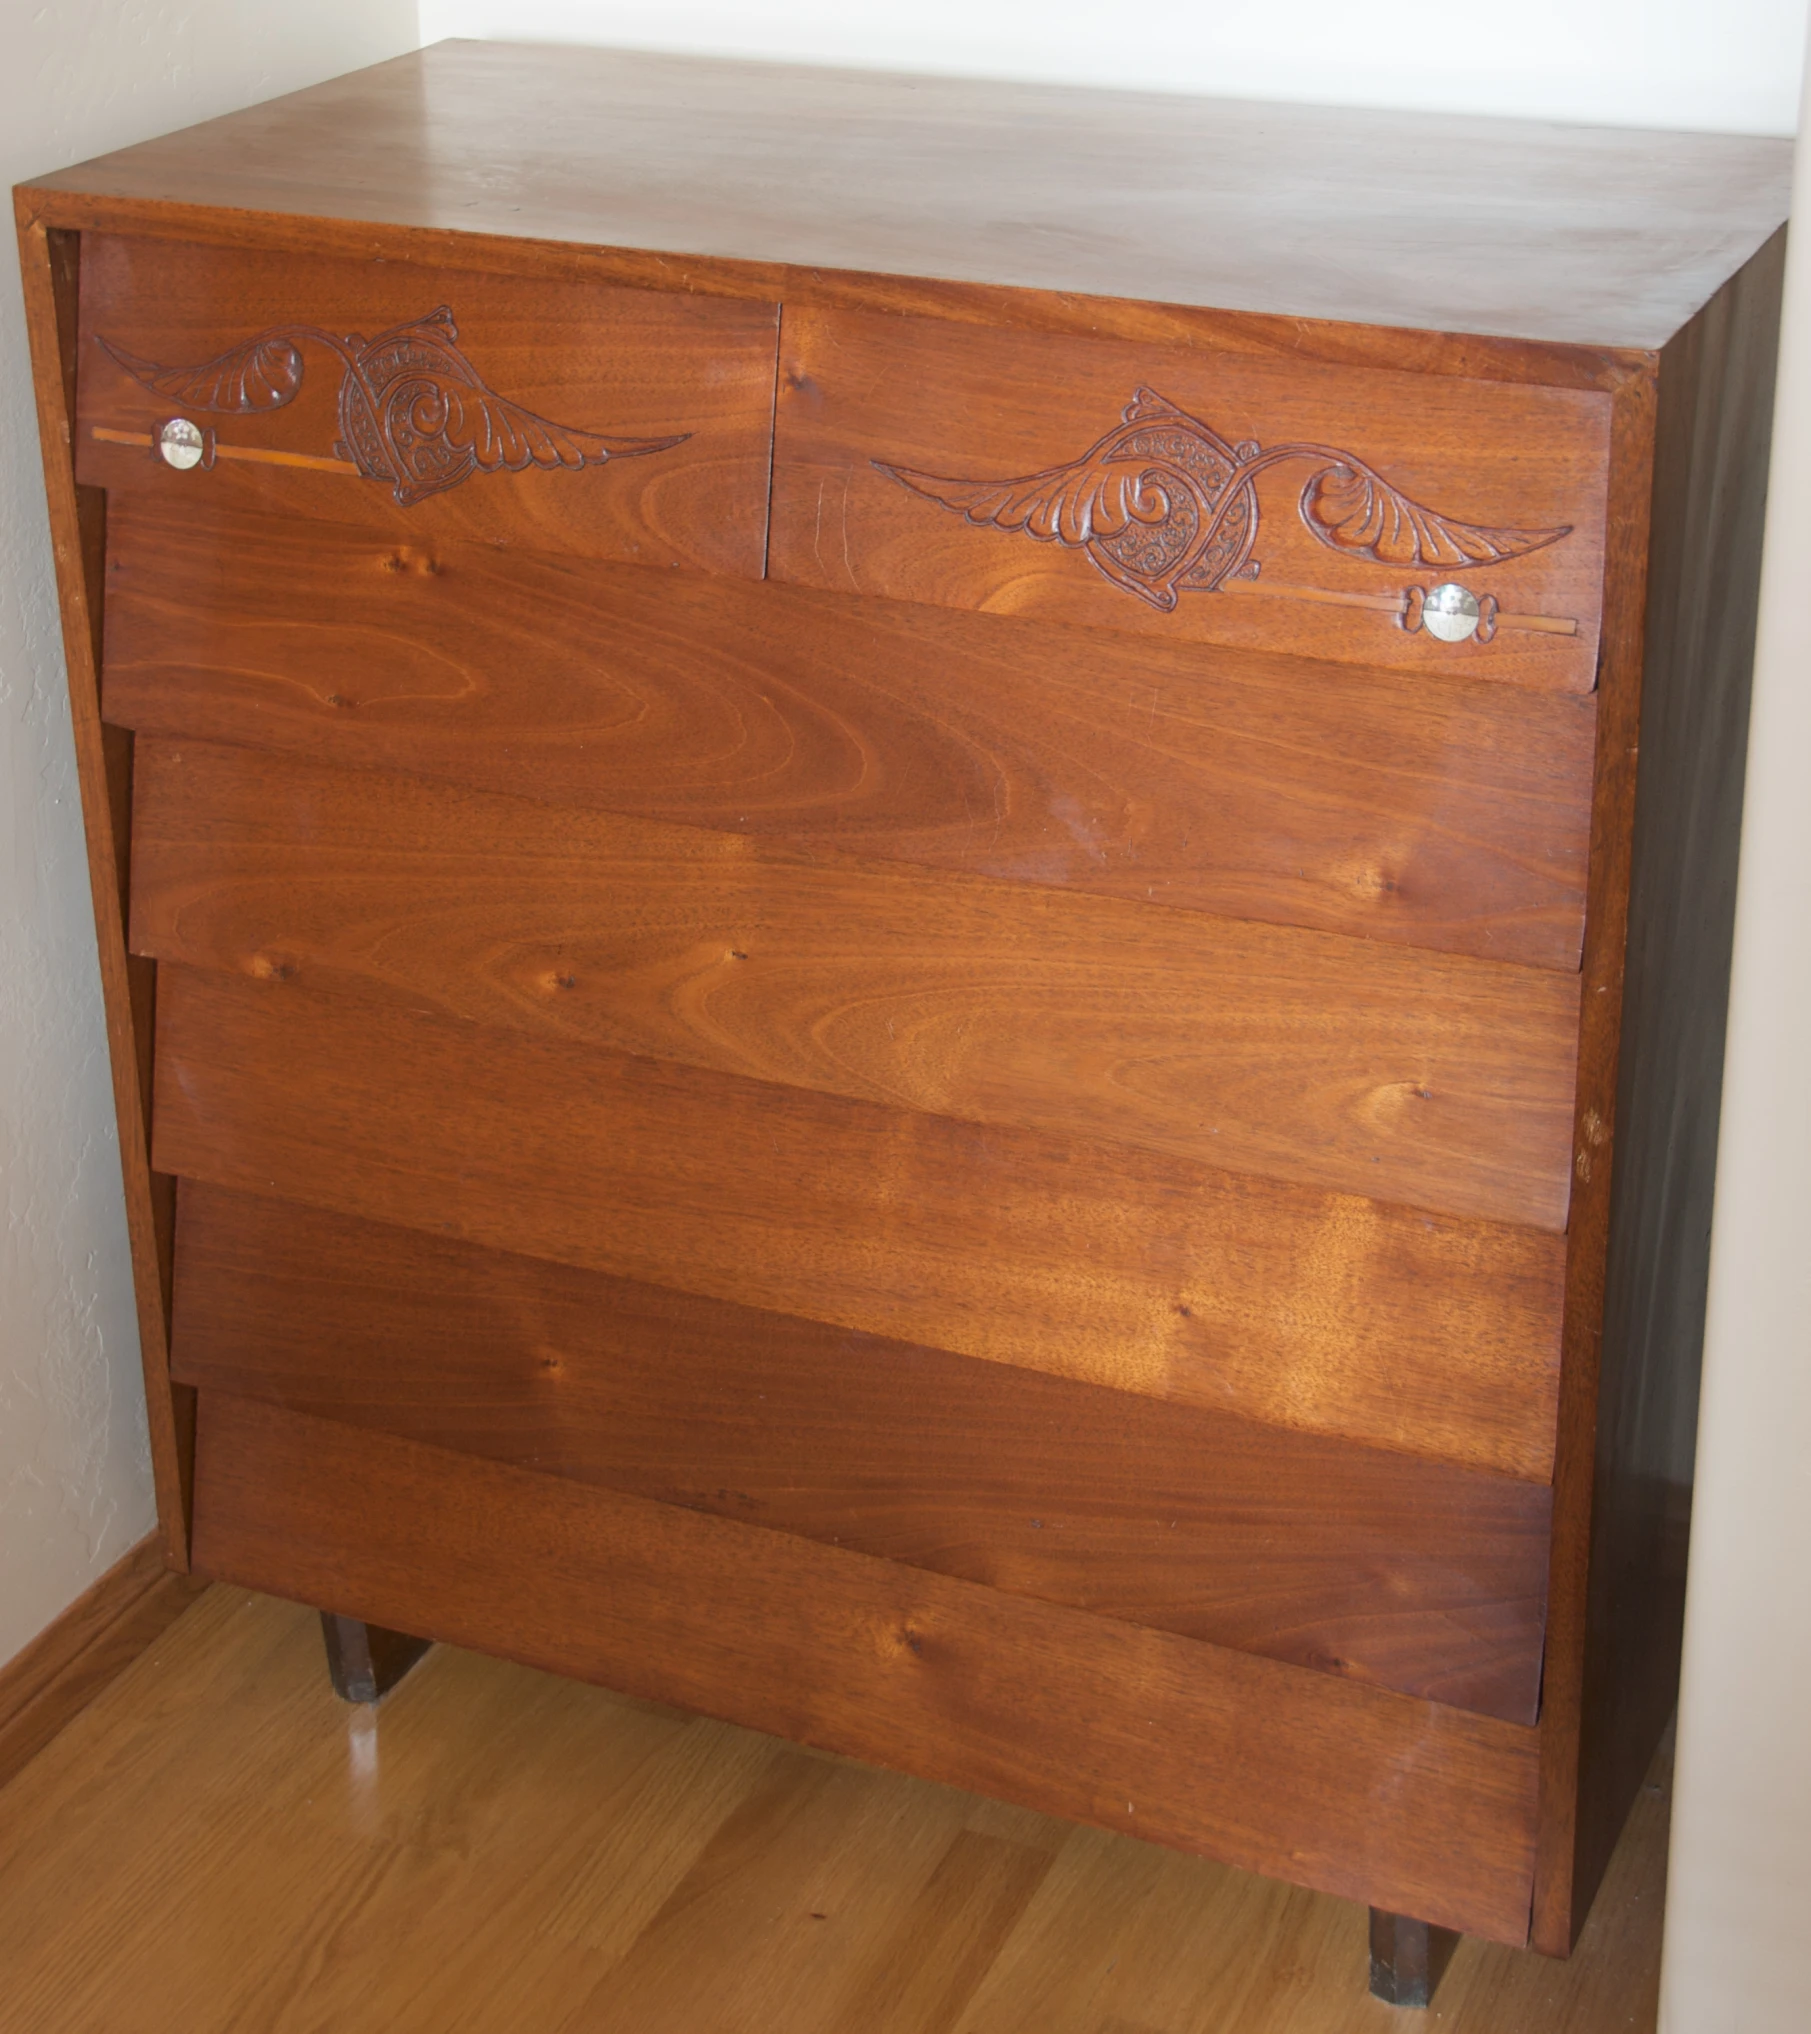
(1710, 488)
(50, 267)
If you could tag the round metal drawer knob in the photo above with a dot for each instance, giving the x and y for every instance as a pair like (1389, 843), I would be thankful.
(180, 443)
(1450, 614)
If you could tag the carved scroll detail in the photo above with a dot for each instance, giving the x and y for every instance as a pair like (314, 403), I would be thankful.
(413, 410)
(1163, 505)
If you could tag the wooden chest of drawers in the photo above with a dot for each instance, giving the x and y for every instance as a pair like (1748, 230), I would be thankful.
(923, 937)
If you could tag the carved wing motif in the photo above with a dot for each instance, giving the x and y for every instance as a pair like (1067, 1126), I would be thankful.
(504, 437)
(1158, 504)
(1164, 505)
(413, 410)
(263, 374)
(1350, 508)
(1070, 505)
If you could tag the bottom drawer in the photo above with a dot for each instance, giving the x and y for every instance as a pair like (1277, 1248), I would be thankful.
(1405, 1804)
(1421, 1576)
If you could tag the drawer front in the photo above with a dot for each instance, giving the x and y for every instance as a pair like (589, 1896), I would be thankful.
(1106, 1263)
(1377, 1567)
(1252, 787)
(604, 422)
(1445, 527)
(1432, 1079)
(1324, 1781)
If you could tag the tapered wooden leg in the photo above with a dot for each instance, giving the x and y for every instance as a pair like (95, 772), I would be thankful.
(365, 1660)
(1407, 1958)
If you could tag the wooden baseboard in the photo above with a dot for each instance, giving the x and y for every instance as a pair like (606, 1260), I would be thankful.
(101, 1633)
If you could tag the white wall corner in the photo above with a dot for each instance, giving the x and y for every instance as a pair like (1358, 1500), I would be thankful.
(1724, 65)
(76, 79)
(1739, 1885)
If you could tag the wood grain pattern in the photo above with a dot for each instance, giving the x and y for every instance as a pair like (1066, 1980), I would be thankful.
(1209, 779)
(1475, 355)
(1628, 1484)
(534, 1851)
(48, 1683)
(1456, 225)
(525, 1850)
(633, 366)
(1409, 1575)
(1625, 598)
(1331, 1783)
(50, 270)
(862, 398)
(1087, 773)
(1316, 1311)
(1437, 1081)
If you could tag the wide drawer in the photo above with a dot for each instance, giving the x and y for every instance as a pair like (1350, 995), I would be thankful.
(1270, 1767)
(1198, 496)
(609, 423)
(1323, 1312)
(1285, 790)
(1431, 1079)
(1415, 1575)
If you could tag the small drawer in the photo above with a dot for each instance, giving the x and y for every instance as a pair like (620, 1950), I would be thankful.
(1416, 522)
(600, 422)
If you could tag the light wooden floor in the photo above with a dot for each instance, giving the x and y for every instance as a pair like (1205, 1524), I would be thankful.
(217, 1844)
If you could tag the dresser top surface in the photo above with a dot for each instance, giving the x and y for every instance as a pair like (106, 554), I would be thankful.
(1601, 236)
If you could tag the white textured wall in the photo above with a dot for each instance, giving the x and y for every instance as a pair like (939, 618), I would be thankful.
(1730, 64)
(1740, 1893)
(78, 77)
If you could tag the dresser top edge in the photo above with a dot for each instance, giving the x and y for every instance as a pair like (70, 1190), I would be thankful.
(1504, 228)
(1519, 230)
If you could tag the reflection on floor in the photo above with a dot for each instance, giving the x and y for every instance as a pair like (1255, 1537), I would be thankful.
(218, 1844)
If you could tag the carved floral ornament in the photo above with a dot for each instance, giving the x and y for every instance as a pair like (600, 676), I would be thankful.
(413, 410)
(1163, 506)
